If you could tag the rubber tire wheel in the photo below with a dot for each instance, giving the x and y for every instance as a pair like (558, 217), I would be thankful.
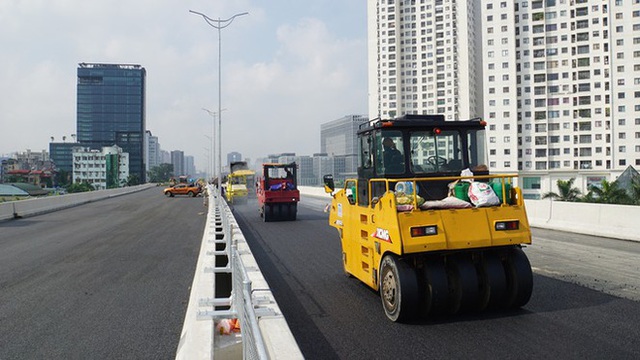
(519, 278)
(493, 281)
(169, 194)
(268, 213)
(463, 284)
(399, 290)
(436, 288)
(191, 194)
(293, 210)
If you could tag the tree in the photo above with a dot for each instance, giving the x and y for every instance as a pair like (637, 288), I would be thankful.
(62, 178)
(12, 179)
(567, 191)
(133, 180)
(161, 173)
(609, 193)
(635, 190)
(80, 187)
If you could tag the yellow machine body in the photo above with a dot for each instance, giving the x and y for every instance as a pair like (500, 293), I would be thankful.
(369, 232)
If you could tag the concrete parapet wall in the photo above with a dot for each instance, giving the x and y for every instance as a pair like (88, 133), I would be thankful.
(614, 221)
(314, 191)
(41, 205)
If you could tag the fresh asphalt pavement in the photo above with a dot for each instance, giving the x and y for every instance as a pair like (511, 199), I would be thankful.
(110, 280)
(104, 280)
(577, 310)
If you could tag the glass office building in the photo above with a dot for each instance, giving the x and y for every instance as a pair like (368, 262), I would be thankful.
(339, 138)
(111, 110)
(62, 155)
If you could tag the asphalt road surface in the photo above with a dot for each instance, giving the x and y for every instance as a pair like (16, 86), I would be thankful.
(104, 280)
(584, 303)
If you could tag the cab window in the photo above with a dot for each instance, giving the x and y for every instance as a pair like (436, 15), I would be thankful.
(389, 152)
(436, 152)
(477, 150)
(366, 153)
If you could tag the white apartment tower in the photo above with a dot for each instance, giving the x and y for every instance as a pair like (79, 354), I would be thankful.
(562, 93)
(558, 81)
(424, 58)
(153, 150)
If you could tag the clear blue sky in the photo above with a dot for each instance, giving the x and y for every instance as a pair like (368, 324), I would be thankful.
(287, 67)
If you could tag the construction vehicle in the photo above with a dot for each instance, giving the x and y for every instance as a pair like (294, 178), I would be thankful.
(278, 193)
(239, 186)
(409, 231)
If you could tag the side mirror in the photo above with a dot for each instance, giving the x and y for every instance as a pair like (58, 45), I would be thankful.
(329, 186)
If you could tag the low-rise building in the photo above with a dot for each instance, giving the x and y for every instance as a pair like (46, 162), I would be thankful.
(104, 169)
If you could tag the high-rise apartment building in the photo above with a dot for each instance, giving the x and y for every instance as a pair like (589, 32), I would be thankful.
(189, 165)
(153, 150)
(165, 157)
(558, 81)
(562, 88)
(424, 58)
(111, 110)
(177, 160)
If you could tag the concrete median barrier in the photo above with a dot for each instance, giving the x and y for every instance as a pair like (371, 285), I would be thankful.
(40, 205)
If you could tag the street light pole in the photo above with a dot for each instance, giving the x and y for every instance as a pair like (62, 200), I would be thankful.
(213, 131)
(209, 158)
(219, 25)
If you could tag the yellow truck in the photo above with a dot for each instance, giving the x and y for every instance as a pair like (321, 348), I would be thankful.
(426, 225)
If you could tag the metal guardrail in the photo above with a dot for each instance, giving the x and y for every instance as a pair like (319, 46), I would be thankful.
(240, 300)
(264, 333)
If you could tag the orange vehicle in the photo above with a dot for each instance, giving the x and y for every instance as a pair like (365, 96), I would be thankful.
(190, 190)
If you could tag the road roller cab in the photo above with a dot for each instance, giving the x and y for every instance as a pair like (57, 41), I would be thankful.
(427, 225)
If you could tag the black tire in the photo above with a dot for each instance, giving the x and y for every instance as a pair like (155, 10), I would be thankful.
(493, 281)
(169, 194)
(282, 212)
(436, 287)
(399, 289)
(463, 284)
(191, 194)
(267, 213)
(293, 210)
(519, 278)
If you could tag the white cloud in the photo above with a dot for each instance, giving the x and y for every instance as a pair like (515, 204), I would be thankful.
(285, 70)
(313, 79)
